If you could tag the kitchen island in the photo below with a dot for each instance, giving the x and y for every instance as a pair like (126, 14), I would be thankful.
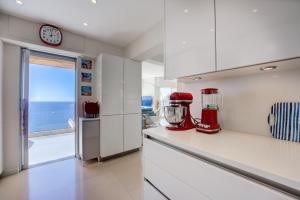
(227, 165)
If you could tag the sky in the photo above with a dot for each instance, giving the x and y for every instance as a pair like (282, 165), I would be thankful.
(51, 83)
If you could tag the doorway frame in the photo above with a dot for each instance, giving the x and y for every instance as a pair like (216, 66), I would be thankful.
(24, 102)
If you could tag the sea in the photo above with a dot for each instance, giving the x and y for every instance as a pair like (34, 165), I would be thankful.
(47, 116)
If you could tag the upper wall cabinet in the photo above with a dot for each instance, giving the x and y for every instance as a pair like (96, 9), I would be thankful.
(256, 31)
(189, 37)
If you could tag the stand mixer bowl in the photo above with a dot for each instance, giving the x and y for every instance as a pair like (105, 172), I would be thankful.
(175, 114)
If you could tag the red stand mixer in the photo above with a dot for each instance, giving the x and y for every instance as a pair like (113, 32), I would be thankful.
(178, 112)
(209, 117)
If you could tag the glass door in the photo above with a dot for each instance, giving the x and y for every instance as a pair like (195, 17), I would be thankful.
(48, 107)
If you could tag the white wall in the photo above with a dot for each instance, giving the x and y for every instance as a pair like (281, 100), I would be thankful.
(148, 87)
(150, 70)
(17, 29)
(82, 99)
(25, 33)
(248, 99)
(147, 45)
(1, 123)
(11, 105)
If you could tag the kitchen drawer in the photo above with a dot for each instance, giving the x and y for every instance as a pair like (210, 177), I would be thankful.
(91, 148)
(150, 193)
(170, 185)
(91, 128)
(210, 180)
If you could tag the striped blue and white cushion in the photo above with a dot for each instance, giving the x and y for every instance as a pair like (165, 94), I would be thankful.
(284, 121)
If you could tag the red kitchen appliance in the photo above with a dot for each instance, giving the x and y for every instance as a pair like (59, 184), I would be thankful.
(209, 116)
(90, 109)
(178, 112)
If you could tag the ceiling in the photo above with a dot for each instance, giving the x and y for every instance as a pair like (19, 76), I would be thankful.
(116, 22)
(159, 57)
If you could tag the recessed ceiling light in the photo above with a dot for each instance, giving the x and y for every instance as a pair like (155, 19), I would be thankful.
(197, 78)
(268, 68)
(184, 42)
(255, 10)
(94, 1)
(85, 24)
(19, 2)
(186, 10)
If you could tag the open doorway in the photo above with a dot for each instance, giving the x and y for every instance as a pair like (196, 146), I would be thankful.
(49, 93)
(155, 92)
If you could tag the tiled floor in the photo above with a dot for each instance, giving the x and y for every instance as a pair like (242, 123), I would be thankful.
(117, 179)
(53, 147)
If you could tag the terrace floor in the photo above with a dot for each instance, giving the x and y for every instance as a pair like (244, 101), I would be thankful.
(49, 148)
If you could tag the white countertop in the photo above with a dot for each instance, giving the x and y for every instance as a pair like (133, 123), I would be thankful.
(89, 119)
(264, 156)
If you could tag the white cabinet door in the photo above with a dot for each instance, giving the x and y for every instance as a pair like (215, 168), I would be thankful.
(173, 187)
(189, 37)
(112, 85)
(132, 131)
(132, 86)
(111, 135)
(256, 31)
(150, 193)
(164, 165)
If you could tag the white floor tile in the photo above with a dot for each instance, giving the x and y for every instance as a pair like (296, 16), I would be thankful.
(118, 179)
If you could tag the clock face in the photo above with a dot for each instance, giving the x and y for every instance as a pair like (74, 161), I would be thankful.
(50, 35)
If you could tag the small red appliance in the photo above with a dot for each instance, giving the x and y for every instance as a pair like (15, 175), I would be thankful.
(178, 112)
(209, 116)
(90, 109)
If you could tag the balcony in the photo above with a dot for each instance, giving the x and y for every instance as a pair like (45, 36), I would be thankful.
(51, 145)
(47, 146)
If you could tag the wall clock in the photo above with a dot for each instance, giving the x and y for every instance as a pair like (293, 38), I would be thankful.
(51, 35)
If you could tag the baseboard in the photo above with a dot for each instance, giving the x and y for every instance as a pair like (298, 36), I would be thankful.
(119, 154)
(9, 172)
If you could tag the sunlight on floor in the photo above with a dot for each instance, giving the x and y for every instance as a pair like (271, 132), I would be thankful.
(48, 148)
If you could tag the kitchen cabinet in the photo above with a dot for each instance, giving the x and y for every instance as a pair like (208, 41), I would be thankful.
(170, 185)
(89, 138)
(181, 175)
(111, 135)
(120, 133)
(150, 193)
(206, 36)
(189, 37)
(132, 86)
(119, 91)
(256, 31)
(132, 131)
(112, 97)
